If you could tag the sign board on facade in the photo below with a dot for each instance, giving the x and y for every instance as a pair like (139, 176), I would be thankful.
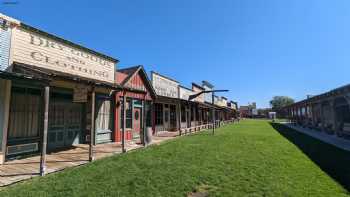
(165, 86)
(184, 93)
(207, 96)
(80, 94)
(199, 98)
(39, 50)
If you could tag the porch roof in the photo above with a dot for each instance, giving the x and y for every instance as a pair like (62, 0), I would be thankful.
(47, 75)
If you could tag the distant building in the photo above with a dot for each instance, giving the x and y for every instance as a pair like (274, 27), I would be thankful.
(248, 111)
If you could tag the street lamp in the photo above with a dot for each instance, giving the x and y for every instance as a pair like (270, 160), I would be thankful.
(191, 97)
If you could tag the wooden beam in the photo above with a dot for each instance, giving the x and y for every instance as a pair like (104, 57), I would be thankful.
(213, 112)
(7, 103)
(92, 129)
(144, 141)
(45, 129)
(179, 118)
(124, 123)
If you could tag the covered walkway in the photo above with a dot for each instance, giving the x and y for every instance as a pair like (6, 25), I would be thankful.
(322, 136)
(18, 170)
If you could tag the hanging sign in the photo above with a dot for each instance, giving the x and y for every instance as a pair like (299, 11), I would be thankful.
(80, 94)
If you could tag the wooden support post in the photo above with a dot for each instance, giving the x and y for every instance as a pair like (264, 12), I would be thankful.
(144, 143)
(213, 112)
(92, 129)
(124, 123)
(190, 118)
(44, 136)
(179, 117)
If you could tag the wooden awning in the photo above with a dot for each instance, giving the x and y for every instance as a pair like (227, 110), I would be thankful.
(37, 73)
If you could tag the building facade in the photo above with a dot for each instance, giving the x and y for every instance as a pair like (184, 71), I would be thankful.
(167, 105)
(55, 95)
(139, 96)
(329, 112)
(55, 88)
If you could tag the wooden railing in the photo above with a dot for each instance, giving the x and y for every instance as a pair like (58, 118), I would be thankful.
(195, 129)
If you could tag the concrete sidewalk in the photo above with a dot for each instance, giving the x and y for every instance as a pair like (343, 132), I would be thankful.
(327, 138)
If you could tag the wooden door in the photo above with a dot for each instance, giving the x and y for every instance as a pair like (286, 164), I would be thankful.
(73, 124)
(137, 123)
(56, 125)
(65, 124)
(172, 117)
(166, 118)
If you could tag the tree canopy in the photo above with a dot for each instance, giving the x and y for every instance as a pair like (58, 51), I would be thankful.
(278, 102)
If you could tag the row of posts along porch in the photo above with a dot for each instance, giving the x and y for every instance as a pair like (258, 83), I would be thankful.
(331, 115)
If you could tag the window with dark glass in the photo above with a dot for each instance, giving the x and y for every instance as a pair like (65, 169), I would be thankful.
(192, 114)
(104, 115)
(128, 113)
(183, 113)
(166, 116)
(148, 112)
(158, 108)
(25, 113)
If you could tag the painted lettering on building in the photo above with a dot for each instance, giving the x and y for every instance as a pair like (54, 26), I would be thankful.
(39, 50)
(164, 86)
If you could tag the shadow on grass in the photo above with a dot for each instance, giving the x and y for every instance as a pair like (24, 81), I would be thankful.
(332, 160)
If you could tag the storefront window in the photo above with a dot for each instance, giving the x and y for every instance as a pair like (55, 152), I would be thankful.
(197, 114)
(183, 113)
(25, 113)
(104, 118)
(192, 114)
(158, 108)
(148, 112)
(128, 119)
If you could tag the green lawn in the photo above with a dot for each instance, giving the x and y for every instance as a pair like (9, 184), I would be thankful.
(246, 159)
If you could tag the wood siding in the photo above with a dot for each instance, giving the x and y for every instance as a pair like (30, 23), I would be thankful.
(5, 39)
(136, 82)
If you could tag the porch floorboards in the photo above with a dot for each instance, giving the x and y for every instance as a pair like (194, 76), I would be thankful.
(14, 171)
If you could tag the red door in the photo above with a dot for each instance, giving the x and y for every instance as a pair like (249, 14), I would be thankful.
(137, 123)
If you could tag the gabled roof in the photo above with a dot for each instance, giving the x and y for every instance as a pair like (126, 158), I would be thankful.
(131, 72)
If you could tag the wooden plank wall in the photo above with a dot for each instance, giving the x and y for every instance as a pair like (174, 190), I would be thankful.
(5, 37)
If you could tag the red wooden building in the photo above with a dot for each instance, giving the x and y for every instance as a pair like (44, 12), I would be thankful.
(139, 96)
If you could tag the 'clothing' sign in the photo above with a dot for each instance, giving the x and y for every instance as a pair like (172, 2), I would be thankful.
(41, 51)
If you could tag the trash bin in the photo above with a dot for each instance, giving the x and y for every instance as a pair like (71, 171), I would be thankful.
(149, 134)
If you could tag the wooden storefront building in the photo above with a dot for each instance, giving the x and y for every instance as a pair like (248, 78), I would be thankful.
(167, 105)
(139, 95)
(56, 93)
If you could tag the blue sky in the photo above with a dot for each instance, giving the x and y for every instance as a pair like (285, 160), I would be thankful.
(255, 48)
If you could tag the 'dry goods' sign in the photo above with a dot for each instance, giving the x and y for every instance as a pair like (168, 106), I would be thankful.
(39, 50)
